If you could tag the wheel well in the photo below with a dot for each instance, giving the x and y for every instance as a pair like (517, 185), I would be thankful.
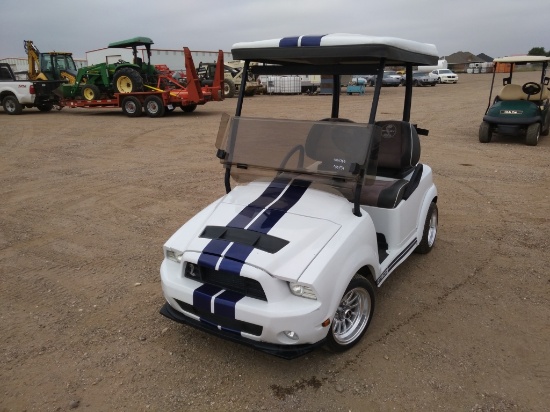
(6, 93)
(368, 273)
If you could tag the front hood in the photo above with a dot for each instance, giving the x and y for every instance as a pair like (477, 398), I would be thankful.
(295, 221)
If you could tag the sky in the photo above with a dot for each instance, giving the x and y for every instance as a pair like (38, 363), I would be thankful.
(494, 27)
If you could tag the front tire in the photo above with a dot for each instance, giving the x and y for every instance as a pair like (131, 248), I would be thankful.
(45, 107)
(90, 92)
(353, 315)
(430, 230)
(533, 134)
(132, 107)
(11, 105)
(154, 106)
(485, 133)
(127, 80)
(228, 88)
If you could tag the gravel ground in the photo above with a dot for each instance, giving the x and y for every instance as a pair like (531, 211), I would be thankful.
(88, 197)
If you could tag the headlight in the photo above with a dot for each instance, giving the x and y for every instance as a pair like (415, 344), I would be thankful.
(302, 291)
(174, 255)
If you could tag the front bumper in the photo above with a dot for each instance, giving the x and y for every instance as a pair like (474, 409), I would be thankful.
(449, 80)
(282, 351)
(247, 319)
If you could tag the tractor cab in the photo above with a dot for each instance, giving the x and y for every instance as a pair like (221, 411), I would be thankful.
(519, 108)
(134, 43)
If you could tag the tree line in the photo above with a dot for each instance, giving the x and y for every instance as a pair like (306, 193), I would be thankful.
(538, 51)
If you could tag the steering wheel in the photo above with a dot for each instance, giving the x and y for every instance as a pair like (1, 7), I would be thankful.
(531, 88)
(297, 148)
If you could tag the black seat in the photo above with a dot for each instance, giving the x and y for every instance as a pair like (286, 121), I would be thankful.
(398, 157)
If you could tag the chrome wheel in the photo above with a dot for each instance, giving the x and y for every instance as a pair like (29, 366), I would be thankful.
(432, 229)
(352, 316)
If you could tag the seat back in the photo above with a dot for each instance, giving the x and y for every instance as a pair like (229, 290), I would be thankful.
(514, 92)
(399, 150)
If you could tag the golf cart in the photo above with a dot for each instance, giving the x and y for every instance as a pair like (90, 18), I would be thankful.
(322, 211)
(518, 109)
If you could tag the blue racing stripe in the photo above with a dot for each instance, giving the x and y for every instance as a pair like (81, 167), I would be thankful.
(210, 254)
(311, 40)
(224, 304)
(202, 297)
(289, 41)
(236, 255)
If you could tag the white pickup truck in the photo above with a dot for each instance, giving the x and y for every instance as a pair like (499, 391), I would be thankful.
(17, 94)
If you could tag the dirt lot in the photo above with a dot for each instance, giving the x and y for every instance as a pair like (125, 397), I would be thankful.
(88, 197)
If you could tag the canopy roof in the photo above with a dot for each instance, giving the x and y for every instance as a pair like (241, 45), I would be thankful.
(522, 59)
(134, 42)
(337, 49)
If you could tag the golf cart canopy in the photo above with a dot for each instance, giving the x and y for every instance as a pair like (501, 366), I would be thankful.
(522, 59)
(134, 42)
(340, 53)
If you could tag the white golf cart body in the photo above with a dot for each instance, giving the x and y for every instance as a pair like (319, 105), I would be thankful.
(317, 204)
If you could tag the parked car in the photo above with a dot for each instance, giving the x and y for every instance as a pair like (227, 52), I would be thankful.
(422, 79)
(265, 265)
(387, 80)
(444, 76)
(395, 75)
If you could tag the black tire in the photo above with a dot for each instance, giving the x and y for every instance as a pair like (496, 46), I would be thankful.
(45, 107)
(189, 108)
(485, 133)
(11, 105)
(532, 135)
(154, 106)
(127, 80)
(546, 129)
(415, 83)
(439, 80)
(430, 230)
(353, 316)
(228, 88)
(131, 106)
(371, 83)
(90, 92)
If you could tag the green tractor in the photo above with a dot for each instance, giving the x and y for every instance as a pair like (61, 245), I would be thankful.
(105, 79)
(519, 109)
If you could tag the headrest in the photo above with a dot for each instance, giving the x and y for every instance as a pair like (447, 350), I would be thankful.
(399, 145)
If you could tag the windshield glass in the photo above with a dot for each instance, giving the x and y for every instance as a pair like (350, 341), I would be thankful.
(445, 71)
(326, 151)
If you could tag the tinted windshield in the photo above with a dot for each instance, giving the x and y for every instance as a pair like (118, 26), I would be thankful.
(324, 150)
(445, 71)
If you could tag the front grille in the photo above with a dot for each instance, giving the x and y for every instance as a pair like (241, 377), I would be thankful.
(230, 325)
(226, 280)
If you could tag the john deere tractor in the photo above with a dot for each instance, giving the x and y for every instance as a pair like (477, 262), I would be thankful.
(103, 80)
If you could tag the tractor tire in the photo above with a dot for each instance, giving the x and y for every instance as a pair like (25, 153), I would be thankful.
(127, 80)
(533, 134)
(154, 106)
(45, 107)
(11, 105)
(485, 133)
(228, 88)
(131, 106)
(90, 92)
(189, 108)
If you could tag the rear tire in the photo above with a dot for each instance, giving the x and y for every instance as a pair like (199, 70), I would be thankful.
(430, 231)
(533, 134)
(485, 133)
(132, 107)
(154, 106)
(45, 107)
(91, 92)
(228, 88)
(127, 80)
(353, 315)
(11, 105)
(546, 128)
(189, 108)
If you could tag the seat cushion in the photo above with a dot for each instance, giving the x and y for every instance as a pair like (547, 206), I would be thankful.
(383, 193)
